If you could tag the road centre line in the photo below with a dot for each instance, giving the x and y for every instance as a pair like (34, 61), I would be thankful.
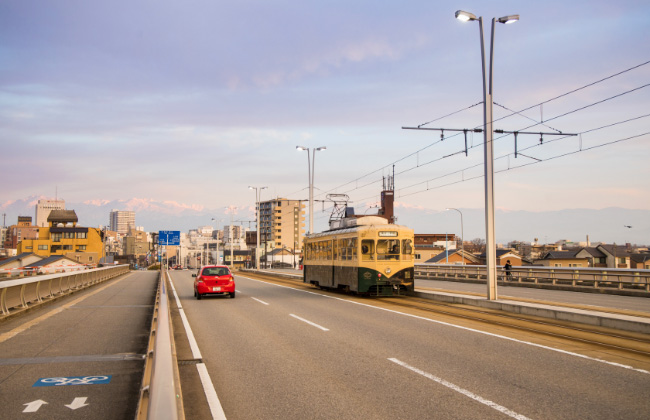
(208, 387)
(458, 389)
(309, 322)
(196, 352)
(541, 346)
(260, 301)
(23, 327)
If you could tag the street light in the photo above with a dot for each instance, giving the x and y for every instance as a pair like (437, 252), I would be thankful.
(462, 236)
(488, 150)
(258, 194)
(218, 221)
(230, 234)
(310, 175)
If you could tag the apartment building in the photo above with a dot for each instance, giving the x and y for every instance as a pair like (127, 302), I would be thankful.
(122, 221)
(43, 209)
(282, 223)
(64, 237)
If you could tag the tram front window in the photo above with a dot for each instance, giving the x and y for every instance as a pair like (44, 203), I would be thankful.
(388, 249)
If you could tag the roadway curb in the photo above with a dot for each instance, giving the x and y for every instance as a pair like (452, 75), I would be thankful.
(582, 316)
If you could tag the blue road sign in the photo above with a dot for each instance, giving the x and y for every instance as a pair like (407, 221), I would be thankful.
(74, 380)
(169, 237)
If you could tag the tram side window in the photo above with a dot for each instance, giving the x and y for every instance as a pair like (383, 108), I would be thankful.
(388, 249)
(348, 249)
(367, 250)
(407, 249)
(335, 247)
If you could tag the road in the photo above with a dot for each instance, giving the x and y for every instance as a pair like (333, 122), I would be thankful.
(99, 334)
(276, 352)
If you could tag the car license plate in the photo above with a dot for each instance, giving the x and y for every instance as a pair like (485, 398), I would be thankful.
(216, 289)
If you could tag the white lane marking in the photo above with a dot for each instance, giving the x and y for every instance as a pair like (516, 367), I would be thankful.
(593, 359)
(210, 393)
(309, 322)
(77, 403)
(33, 406)
(206, 381)
(194, 346)
(465, 392)
(260, 301)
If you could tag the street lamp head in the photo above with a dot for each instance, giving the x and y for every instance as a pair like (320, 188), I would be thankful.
(508, 19)
(465, 16)
(252, 188)
(321, 148)
(302, 148)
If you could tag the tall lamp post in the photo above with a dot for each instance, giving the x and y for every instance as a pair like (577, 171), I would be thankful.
(258, 195)
(230, 234)
(217, 223)
(488, 149)
(310, 176)
(462, 235)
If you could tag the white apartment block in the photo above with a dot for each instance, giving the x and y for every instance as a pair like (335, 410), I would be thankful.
(43, 209)
(121, 221)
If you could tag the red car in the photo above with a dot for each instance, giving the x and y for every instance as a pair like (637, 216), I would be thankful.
(214, 280)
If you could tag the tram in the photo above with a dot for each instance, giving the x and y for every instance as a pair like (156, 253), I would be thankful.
(364, 255)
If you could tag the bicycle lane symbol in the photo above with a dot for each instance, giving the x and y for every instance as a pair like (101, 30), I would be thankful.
(73, 380)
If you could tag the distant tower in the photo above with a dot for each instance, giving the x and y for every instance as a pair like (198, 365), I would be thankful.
(387, 199)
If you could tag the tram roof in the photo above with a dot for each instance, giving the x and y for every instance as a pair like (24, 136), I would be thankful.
(355, 229)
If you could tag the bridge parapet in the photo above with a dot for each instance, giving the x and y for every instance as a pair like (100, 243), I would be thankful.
(608, 280)
(20, 294)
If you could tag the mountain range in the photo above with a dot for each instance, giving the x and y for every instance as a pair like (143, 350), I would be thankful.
(607, 225)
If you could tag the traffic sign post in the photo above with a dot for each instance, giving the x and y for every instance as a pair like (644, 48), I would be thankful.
(169, 237)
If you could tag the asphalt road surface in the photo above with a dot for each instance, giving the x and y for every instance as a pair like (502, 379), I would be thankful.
(275, 352)
(80, 357)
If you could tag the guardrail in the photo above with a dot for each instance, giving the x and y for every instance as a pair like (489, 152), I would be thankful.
(19, 294)
(597, 278)
(160, 390)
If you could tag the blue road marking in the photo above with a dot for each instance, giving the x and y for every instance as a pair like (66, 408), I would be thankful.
(74, 380)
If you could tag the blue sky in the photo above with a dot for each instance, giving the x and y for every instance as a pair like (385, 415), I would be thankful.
(191, 102)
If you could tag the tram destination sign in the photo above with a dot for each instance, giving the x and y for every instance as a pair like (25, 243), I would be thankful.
(169, 237)
(385, 233)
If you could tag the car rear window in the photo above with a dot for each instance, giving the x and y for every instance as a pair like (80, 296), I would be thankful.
(215, 271)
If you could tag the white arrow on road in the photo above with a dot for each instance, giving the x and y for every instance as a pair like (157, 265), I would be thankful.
(77, 403)
(33, 406)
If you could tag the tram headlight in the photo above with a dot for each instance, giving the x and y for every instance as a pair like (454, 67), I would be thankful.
(387, 270)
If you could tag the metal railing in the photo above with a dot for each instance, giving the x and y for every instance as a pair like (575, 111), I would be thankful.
(19, 294)
(600, 278)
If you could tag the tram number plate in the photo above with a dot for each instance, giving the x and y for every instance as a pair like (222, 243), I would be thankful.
(216, 289)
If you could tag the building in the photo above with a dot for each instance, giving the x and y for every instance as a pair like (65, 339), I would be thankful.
(563, 259)
(428, 245)
(20, 231)
(456, 257)
(43, 209)
(282, 223)
(64, 237)
(122, 221)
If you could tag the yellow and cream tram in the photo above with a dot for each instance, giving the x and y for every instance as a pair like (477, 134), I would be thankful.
(366, 255)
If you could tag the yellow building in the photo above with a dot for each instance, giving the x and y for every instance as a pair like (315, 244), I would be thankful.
(64, 237)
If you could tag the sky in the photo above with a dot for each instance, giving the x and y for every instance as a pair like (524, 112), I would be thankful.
(190, 103)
